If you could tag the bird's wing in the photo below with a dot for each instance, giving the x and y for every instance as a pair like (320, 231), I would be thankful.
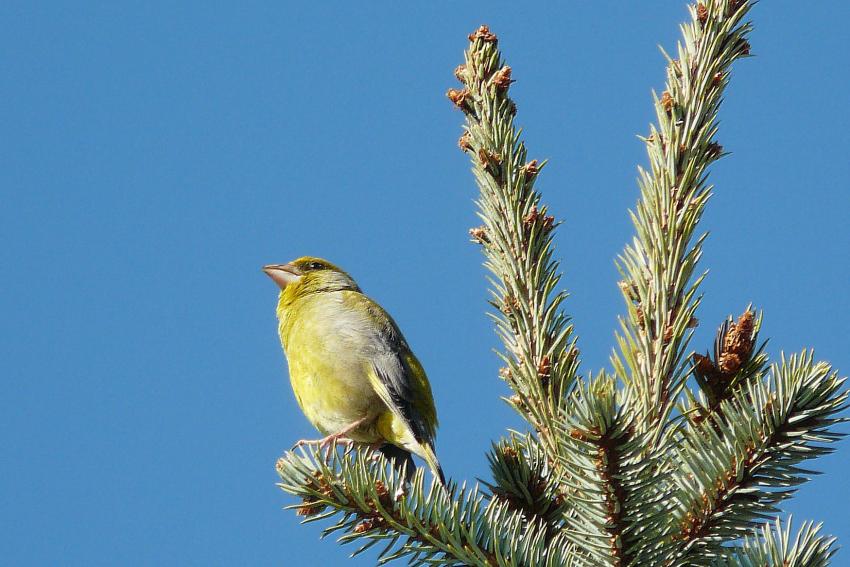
(402, 385)
(397, 375)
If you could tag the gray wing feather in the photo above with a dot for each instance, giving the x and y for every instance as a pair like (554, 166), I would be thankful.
(387, 354)
(396, 377)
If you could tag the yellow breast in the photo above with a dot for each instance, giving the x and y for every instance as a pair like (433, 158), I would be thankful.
(328, 372)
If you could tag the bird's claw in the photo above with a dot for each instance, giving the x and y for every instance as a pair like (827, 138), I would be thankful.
(326, 445)
(304, 443)
(330, 442)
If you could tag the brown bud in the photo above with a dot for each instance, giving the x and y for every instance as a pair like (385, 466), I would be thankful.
(483, 33)
(729, 363)
(641, 319)
(737, 344)
(479, 234)
(531, 169)
(529, 219)
(309, 507)
(702, 13)
(460, 98)
(308, 510)
(668, 334)
(510, 304)
(486, 157)
(381, 489)
(717, 78)
(628, 289)
(739, 338)
(364, 526)
(509, 453)
(667, 101)
(323, 485)
(693, 323)
(548, 222)
(465, 141)
(505, 373)
(544, 367)
(501, 79)
(703, 365)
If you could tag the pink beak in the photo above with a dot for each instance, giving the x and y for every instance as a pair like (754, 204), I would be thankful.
(282, 274)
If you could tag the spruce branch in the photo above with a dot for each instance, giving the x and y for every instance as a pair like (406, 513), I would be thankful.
(736, 467)
(617, 487)
(523, 479)
(372, 503)
(771, 546)
(658, 268)
(516, 237)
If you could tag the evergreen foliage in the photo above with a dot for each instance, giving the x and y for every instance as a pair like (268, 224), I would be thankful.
(671, 458)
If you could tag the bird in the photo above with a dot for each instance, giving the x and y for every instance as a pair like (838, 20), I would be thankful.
(352, 371)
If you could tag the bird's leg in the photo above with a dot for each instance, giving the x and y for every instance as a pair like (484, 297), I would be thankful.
(328, 441)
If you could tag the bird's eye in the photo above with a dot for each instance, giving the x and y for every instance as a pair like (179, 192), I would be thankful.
(315, 265)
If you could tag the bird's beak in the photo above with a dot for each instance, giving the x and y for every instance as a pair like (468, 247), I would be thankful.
(282, 274)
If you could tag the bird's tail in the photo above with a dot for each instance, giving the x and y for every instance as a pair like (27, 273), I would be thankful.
(431, 458)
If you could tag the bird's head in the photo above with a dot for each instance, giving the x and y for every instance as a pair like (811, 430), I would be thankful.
(308, 275)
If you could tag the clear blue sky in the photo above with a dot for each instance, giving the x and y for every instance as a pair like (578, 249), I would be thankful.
(153, 157)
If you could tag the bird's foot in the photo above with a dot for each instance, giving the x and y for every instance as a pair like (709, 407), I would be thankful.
(330, 442)
(305, 443)
(326, 444)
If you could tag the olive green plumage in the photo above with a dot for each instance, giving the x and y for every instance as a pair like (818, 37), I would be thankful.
(351, 369)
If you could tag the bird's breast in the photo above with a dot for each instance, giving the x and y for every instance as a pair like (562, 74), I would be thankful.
(326, 350)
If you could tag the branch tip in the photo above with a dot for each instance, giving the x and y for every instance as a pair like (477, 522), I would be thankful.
(483, 33)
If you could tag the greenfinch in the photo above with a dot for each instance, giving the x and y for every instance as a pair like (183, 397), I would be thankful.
(352, 371)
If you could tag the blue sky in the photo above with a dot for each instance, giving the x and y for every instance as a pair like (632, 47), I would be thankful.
(155, 156)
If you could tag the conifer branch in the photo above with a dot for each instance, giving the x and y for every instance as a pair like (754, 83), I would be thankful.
(523, 479)
(617, 486)
(658, 268)
(772, 546)
(373, 503)
(736, 467)
(540, 354)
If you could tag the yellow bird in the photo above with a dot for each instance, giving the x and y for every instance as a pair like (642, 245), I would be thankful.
(353, 374)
